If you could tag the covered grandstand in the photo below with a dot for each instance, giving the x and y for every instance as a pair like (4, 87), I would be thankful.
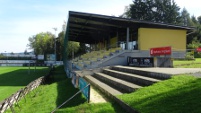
(114, 39)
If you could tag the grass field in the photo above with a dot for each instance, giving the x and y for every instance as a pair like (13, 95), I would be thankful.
(55, 92)
(14, 78)
(181, 94)
(187, 63)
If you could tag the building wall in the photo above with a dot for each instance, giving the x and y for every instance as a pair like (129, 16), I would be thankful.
(150, 37)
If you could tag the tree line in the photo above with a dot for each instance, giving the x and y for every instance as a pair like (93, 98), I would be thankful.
(44, 43)
(162, 11)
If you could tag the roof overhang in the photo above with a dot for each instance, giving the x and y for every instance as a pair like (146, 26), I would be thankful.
(91, 28)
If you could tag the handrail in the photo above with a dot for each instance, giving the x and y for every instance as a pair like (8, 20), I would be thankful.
(70, 98)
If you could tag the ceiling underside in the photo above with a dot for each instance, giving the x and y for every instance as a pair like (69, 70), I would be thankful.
(92, 28)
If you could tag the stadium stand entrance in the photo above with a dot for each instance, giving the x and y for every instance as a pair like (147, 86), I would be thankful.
(114, 39)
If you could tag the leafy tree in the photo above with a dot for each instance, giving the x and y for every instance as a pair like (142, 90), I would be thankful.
(185, 18)
(42, 43)
(164, 11)
(195, 44)
(25, 52)
(60, 45)
(141, 10)
(72, 48)
(194, 20)
(199, 19)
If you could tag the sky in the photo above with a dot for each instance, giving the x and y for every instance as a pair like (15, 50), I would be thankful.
(21, 19)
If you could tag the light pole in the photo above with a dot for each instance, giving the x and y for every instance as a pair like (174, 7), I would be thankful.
(55, 50)
(6, 58)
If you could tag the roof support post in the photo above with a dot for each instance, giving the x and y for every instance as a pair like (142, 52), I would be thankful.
(117, 39)
(127, 38)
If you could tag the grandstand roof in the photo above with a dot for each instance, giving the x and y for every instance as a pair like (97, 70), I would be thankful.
(91, 28)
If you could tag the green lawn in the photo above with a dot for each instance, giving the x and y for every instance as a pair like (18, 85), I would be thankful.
(94, 108)
(55, 92)
(14, 78)
(187, 63)
(181, 94)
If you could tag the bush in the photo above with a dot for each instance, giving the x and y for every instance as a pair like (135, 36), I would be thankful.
(189, 56)
(197, 55)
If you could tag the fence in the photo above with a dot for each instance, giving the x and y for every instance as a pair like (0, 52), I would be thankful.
(14, 98)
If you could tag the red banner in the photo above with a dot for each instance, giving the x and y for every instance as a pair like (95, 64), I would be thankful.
(160, 51)
(198, 49)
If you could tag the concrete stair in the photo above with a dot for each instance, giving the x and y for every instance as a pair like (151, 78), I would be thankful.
(134, 70)
(117, 80)
(121, 85)
(102, 86)
(133, 78)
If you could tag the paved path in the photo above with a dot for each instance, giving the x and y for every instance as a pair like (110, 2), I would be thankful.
(173, 71)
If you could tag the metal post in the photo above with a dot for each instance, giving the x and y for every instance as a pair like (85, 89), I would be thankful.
(127, 38)
(117, 39)
(6, 58)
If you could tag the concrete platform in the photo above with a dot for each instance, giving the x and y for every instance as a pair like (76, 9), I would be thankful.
(170, 71)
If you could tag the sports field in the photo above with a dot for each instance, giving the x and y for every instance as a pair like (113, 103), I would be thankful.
(14, 78)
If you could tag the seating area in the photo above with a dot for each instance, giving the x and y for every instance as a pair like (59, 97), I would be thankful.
(88, 59)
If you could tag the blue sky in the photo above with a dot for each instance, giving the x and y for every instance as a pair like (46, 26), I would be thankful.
(21, 19)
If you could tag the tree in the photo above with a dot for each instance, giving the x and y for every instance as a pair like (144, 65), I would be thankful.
(25, 52)
(194, 44)
(164, 11)
(72, 48)
(185, 18)
(199, 19)
(141, 10)
(42, 43)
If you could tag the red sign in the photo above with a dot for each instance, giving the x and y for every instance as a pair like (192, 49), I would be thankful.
(198, 49)
(160, 51)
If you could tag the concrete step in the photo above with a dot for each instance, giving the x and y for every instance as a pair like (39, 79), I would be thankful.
(110, 91)
(139, 71)
(133, 78)
(118, 84)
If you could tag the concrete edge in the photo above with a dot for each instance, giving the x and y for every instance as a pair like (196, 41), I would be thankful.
(113, 97)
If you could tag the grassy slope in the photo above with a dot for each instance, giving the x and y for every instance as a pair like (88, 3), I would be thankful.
(94, 108)
(14, 78)
(54, 93)
(181, 94)
(188, 63)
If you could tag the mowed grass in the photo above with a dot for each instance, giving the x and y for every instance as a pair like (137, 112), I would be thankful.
(181, 94)
(109, 107)
(187, 63)
(47, 97)
(14, 78)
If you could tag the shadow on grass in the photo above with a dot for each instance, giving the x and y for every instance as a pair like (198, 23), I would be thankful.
(183, 99)
(21, 77)
(65, 89)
